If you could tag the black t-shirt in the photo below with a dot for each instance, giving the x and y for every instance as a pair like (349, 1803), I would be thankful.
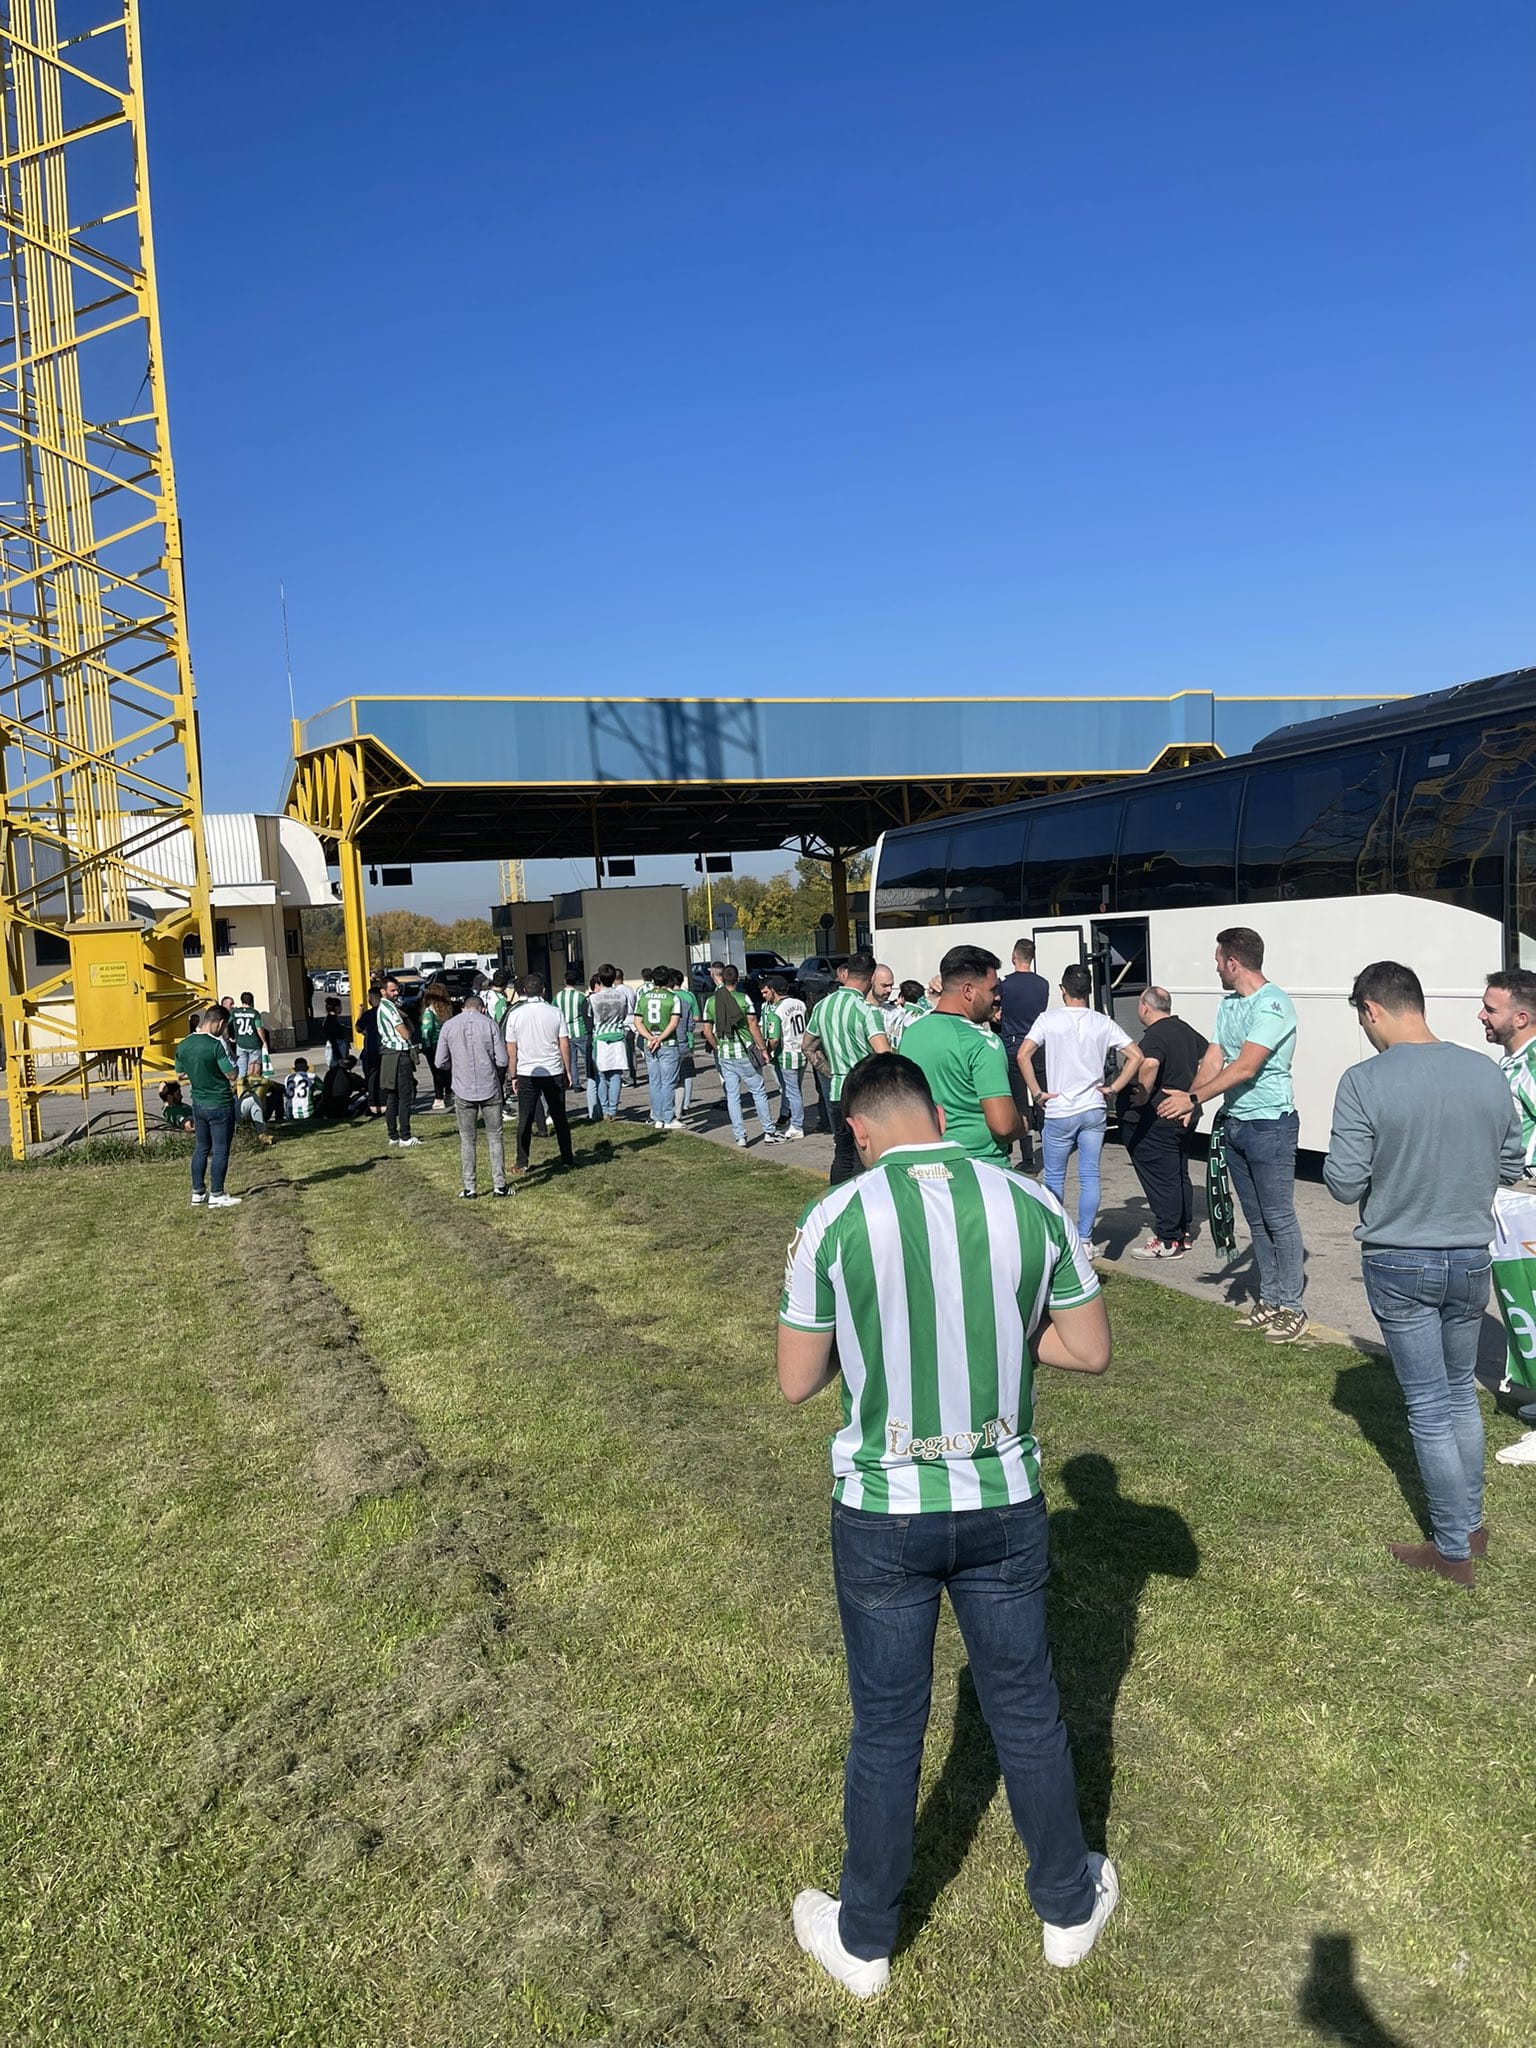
(1178, 1049)
(1025, 995)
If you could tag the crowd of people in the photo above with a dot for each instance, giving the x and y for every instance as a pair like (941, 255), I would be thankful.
(937, 1272)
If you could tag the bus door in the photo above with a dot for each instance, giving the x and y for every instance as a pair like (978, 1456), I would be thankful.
(1057, 947)
(1122, 968)
(1523, 944)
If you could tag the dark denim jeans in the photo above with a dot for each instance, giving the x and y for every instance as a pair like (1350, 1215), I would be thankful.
(212, 1131)
(890, 1571)
(1429, 1305)
(1261, 1158)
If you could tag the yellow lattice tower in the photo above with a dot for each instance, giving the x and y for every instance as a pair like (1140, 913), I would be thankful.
(514, 882)
(104, 902)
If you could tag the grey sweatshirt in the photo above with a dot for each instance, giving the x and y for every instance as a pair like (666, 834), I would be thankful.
(475, 1053)
(1422, 1136)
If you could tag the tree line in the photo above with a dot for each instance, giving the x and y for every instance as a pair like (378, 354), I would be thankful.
(392, 934)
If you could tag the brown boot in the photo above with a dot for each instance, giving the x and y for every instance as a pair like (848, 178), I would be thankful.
(1479, 1540)
(1423, 1557)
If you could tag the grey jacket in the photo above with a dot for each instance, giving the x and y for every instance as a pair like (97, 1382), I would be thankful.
(475, 1053)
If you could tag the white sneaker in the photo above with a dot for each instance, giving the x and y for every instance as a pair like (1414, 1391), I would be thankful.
(792, 1134)
(772, 1138)
(816, 1932)
(1521, 1453)
(1152, 1249)
(223, 1201)
(741, 1144)
(199, 1201)
(408, 1141)
(1065, 1946)
(676, 1124)
(1097, 1248)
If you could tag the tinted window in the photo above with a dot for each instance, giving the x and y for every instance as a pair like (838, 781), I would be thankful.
(984, 863)
(1459, 791)
(1178, 844)
(909, 889)
(1071, 858)
(1318, 827)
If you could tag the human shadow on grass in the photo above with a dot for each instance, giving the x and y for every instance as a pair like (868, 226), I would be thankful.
(1332, 2003)
(1103, 1551)
(1369, 1394)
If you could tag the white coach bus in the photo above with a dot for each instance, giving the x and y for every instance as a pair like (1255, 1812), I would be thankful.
(1402, 833)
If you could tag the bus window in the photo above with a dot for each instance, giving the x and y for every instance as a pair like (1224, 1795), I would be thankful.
(1318, 826)
(1523, 951)
(909, 887)
(985, 856)
(1070, 866)
(1459, 789)
(1177, 847)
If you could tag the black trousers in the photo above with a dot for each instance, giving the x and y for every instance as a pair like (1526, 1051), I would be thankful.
(1159, 1149)
(547, 1091)
(846, 1163)
(1021, 1103)
(400, 1093)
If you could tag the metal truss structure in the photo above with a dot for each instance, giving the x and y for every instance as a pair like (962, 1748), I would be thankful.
(104, 889)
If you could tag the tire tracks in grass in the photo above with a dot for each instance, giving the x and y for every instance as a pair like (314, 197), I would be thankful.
(458, 1771)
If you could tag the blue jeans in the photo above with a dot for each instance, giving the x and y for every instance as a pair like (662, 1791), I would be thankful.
(1084, 1134)
(683, 1098)
(1261, 1158)
(889, 1571)
(212, 1131)
(733, 1073)
(609, 1086)
(790, 1097)
(1430, 1305)
(661, 1078)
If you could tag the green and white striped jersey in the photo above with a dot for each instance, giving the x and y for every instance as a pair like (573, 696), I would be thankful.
(934, 1271)
(739, 1045)
(844, 1022)
(572, 1003)
(394, 1026)
(1520, 1072)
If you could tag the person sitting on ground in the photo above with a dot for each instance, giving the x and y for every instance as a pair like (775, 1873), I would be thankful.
(178, 1117)
(250, 1107)
(301, 1092)
(343, 1092)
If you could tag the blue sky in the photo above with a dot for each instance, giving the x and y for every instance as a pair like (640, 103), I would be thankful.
(669, 347)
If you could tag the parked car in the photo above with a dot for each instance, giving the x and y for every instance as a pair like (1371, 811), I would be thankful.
(818, 974)
(764, 963)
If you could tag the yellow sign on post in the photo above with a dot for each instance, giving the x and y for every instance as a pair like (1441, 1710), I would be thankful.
(111, 971)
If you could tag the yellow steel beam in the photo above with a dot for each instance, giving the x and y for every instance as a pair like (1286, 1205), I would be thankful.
(91, 564)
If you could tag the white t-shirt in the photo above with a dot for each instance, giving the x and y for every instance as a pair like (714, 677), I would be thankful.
(1076, 1044)
(536, 1029)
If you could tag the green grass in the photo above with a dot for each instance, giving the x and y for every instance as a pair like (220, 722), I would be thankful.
(419, 1630)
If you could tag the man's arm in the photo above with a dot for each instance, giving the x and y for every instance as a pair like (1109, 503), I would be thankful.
(1025, 1057)
(565, 1056)
(1512, 1151)
(1351, 1146)
(511, 1045)
(878, 1042)
(815, 1054)
(1213, 1079)
(757, 1036)
(1003, 1119)
(807, 1362)
(1130, 1065)
(1076, 1339)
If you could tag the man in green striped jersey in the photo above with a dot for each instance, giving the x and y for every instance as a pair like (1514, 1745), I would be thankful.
(931, 1284)
(576, 1015)
(732, 1035)
(843, 1030)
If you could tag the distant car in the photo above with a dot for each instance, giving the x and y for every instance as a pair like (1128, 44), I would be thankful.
(761, 964)
(459, 982)
(818, 974)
